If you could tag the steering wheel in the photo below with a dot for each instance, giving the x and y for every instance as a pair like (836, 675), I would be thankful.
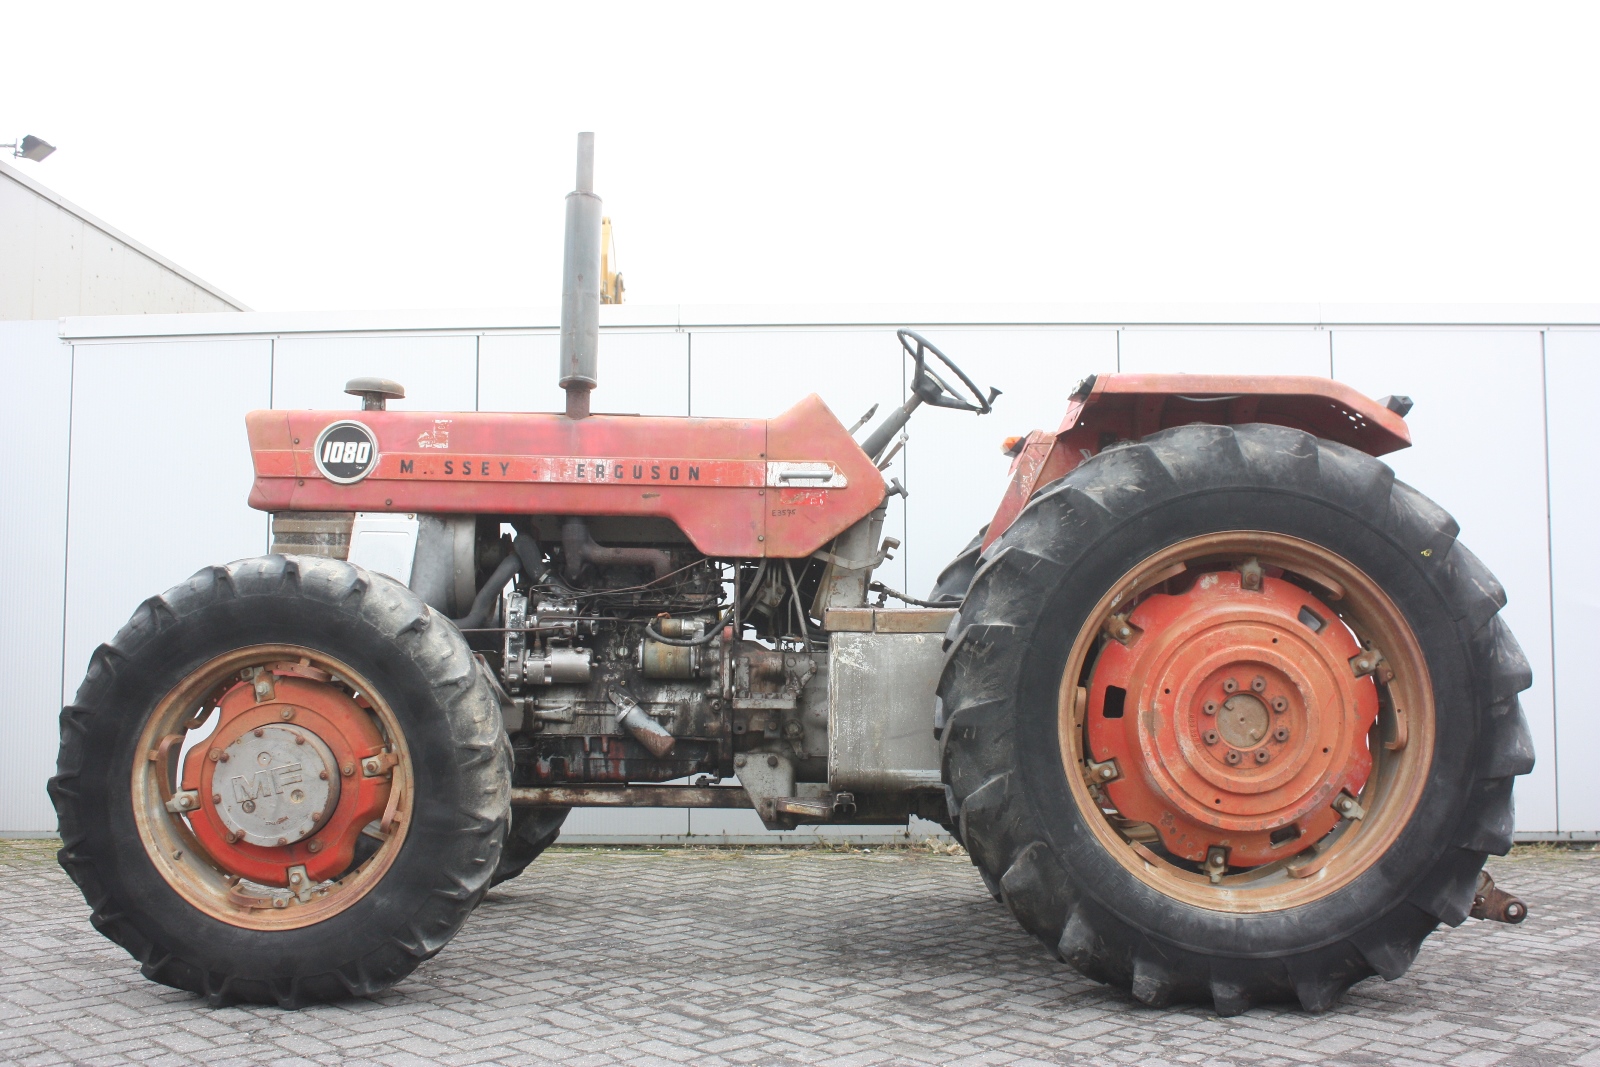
(933, 389)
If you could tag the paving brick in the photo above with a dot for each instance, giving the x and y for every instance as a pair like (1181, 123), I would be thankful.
(660, 959)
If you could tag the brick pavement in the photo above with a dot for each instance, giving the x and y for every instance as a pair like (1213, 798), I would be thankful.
(835, 959)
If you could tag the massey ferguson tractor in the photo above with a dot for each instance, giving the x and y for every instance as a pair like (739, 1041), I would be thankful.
(1220, 709)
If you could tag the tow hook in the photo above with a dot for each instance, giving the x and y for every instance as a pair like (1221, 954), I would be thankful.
(1492, 902)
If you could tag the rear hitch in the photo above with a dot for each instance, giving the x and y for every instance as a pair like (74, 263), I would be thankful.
(1491, 902)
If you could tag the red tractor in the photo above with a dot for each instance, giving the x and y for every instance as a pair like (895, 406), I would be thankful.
(1220, 710)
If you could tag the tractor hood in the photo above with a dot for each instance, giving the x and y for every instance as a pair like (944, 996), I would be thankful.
(780, 487)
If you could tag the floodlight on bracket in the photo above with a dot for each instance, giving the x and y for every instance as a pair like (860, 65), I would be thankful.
(30, 147)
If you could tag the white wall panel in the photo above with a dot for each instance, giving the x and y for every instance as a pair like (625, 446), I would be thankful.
(160, 471)
(762, 373)
(1302, 350)
(640, 373)
(1572, 380)
(438, 373)
(35, 407)
(1478, 450)
(160, 474)
(955, 469)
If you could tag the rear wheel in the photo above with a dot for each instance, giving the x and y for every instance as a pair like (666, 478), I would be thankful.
(283, 781)
(1231, 715)
(951, 585)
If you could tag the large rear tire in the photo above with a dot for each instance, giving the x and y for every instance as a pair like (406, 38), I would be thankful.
(283, 781)
(1080, 761)
(951, 586)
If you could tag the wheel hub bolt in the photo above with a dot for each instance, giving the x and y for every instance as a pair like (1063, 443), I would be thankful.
(1262, 755)
(314, 846)
(287, 713)
(1258, 683)
(348, 769)
(1280, 705)
(1210, 737)
(1233, 756)
(259, 732)
(1210, 708)
(216, 798)
(1281, 734)
(1229, 686)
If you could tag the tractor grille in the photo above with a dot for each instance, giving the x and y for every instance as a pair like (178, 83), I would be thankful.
(312, 533)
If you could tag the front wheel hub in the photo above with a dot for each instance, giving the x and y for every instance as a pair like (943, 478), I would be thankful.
(1238, 716)
(278, 786)
(284, 781)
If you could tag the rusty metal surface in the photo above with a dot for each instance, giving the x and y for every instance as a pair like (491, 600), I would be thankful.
(1495, 904)
(889, 620)
(632, 796)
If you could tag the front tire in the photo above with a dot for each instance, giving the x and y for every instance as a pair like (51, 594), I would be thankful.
(324, 686)
(1075, 767)
(532, 831)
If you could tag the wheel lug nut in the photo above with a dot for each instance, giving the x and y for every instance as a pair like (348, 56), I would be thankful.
(1210, 708)
(1209, 737)
(287, 713)
(1262, 755)
(1229, 686)
(314, 846)
(259, 732)
(1233, 756)
(299, 740)
(1281, 734)
(216, 798)
(348, 769)
(323, 775)
(1280, 705)
(1258, 683)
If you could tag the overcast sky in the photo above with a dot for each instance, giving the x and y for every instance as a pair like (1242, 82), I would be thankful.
(374, 156)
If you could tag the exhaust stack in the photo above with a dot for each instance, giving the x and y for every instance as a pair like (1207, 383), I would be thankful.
(580, 287)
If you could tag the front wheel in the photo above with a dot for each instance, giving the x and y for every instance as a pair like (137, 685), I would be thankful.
(283, 781)
(1231, 716)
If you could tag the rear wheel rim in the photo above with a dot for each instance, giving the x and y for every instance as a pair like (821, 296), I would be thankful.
(1156, 784)
(294, 805)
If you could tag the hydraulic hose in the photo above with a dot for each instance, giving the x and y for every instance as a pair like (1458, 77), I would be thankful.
(483, 603)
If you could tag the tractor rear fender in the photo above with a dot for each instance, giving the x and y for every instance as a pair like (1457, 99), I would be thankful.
(1108, 408)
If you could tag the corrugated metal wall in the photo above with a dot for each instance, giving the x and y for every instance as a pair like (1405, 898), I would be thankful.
(149, 484)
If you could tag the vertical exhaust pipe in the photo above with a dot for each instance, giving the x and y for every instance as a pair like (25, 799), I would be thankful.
(580, 287)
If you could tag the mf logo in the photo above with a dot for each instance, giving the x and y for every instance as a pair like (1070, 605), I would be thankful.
(265, 783)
